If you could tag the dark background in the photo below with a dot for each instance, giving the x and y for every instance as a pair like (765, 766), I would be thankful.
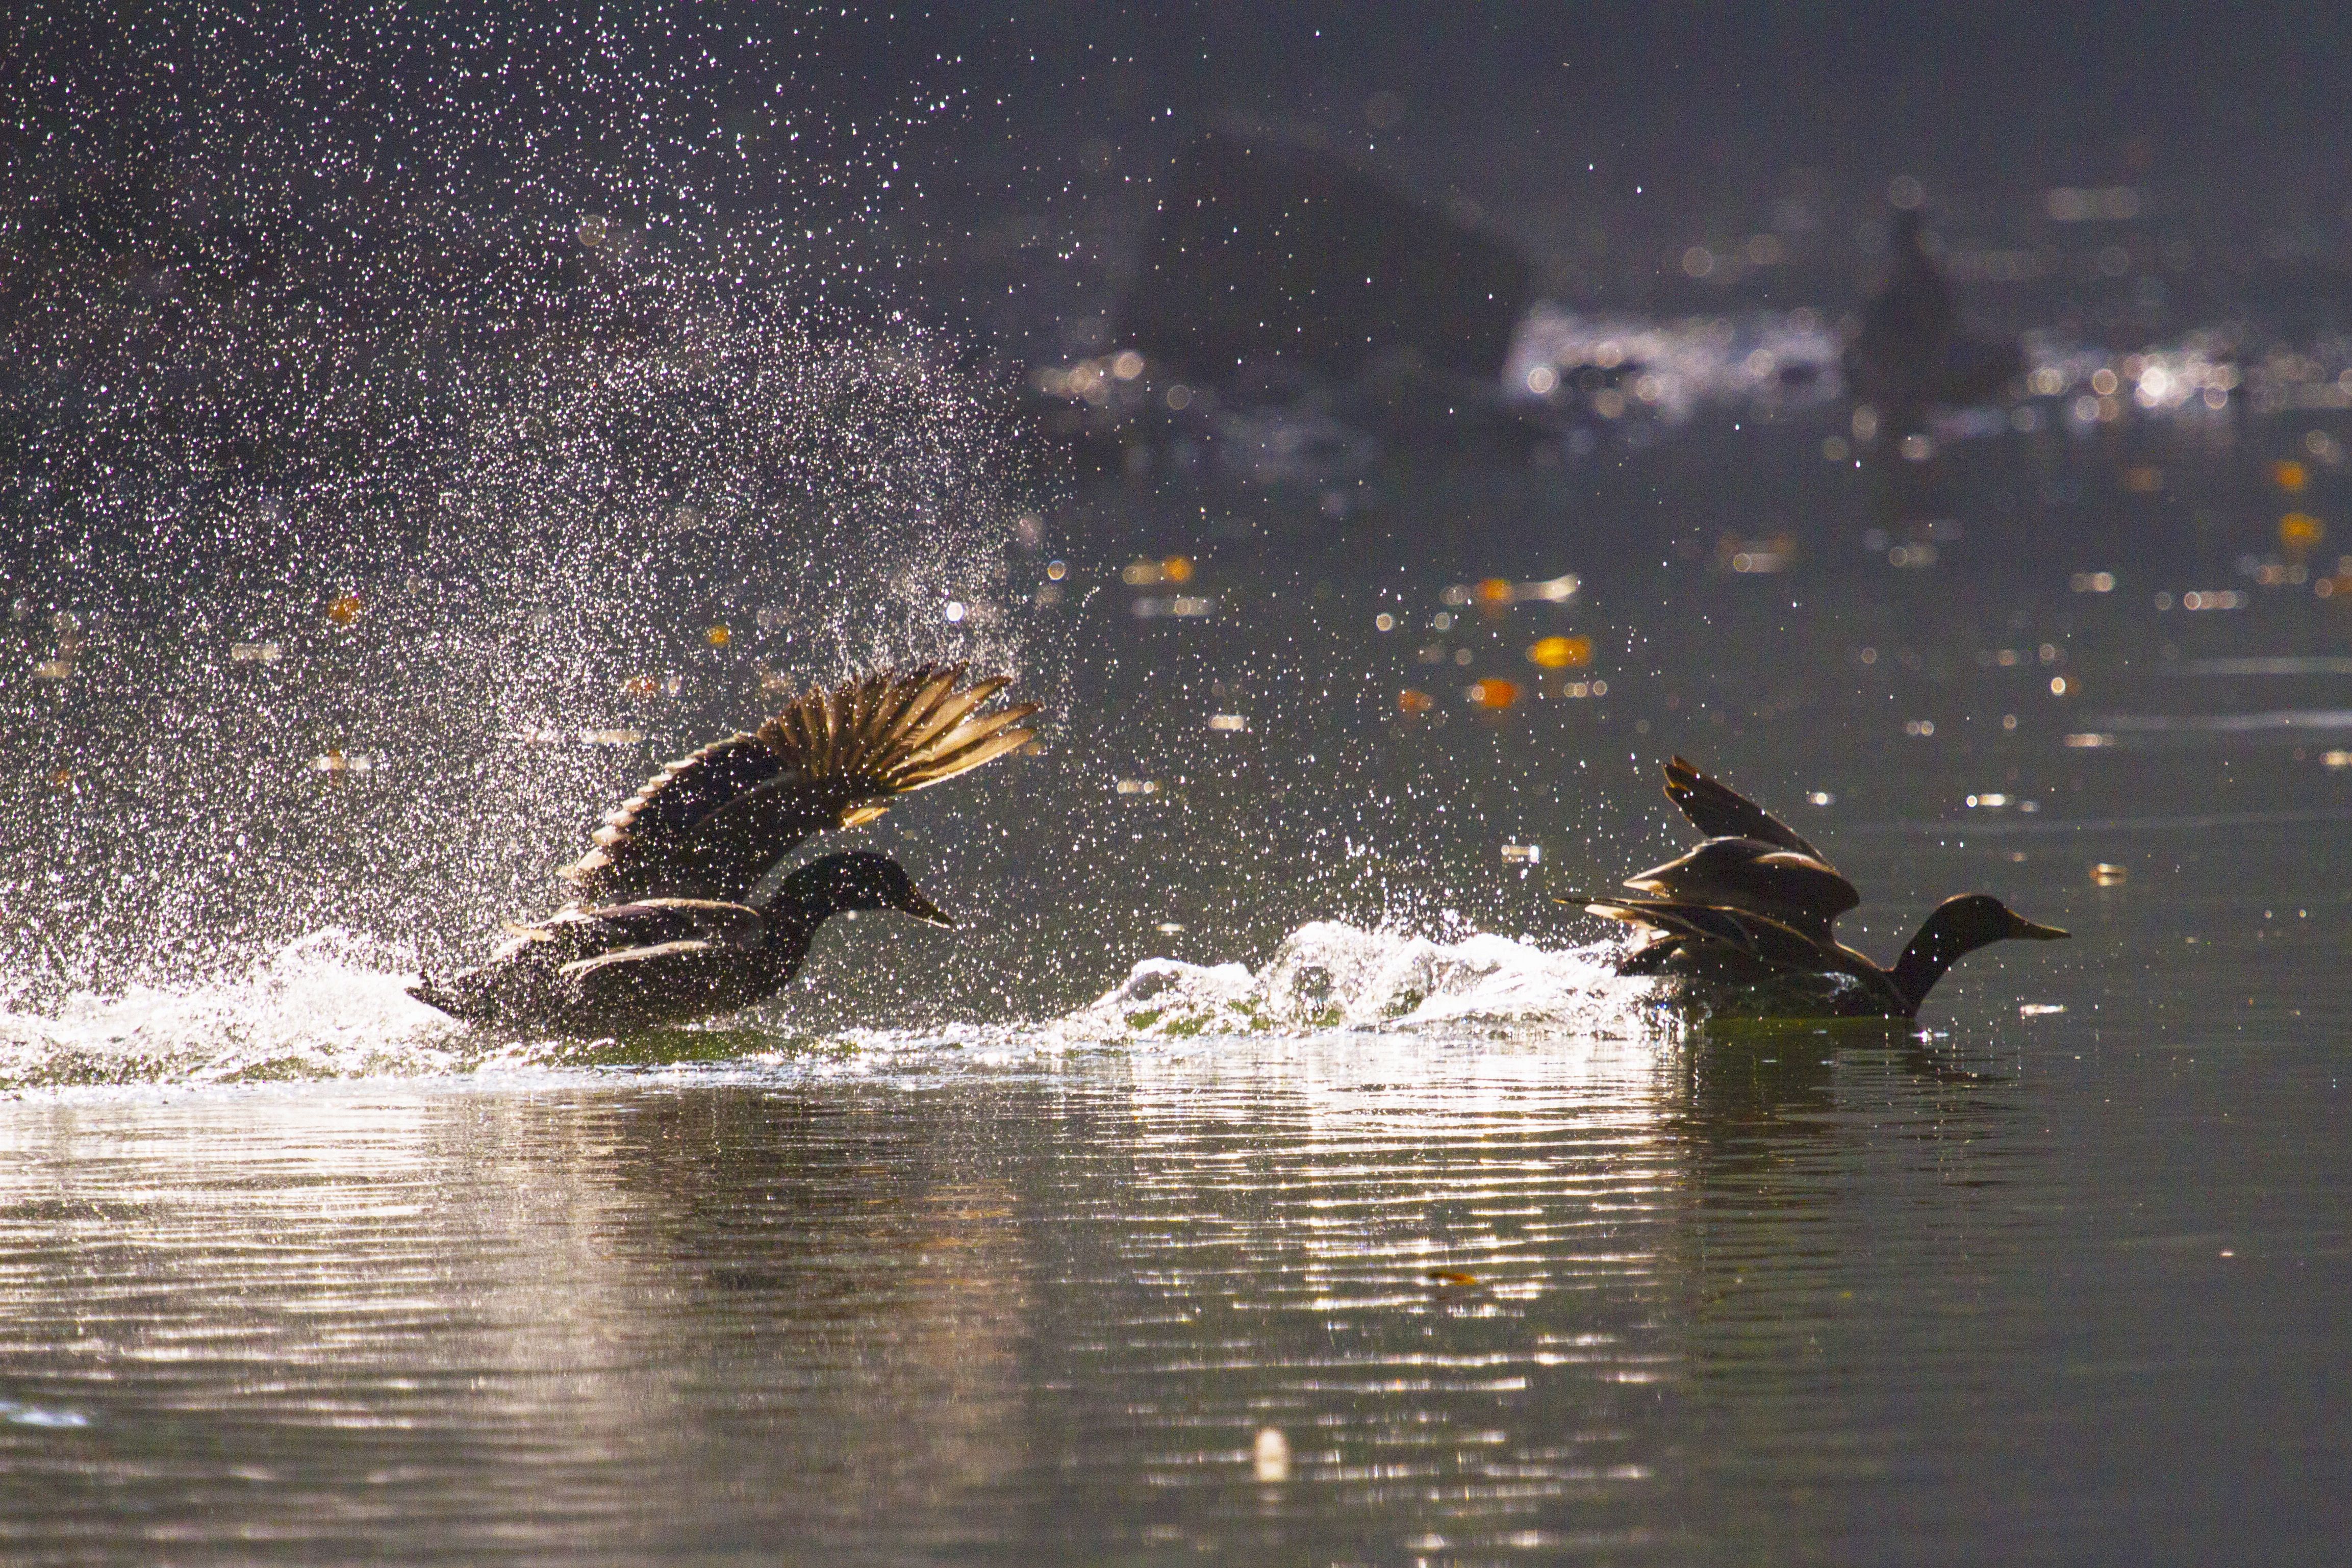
(288, 244)
(302, 302)
(962, 151)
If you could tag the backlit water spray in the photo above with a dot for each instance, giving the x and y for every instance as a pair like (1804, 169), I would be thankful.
(384, 505)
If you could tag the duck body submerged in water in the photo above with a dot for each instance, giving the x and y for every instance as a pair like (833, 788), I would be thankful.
(681, 909)
(1745, 919)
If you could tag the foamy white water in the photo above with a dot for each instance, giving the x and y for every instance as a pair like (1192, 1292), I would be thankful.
(331, 1004)
(1328, 975)
(334, 1004)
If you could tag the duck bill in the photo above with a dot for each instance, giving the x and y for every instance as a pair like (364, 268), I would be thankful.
(2032, 933)
(923, 910)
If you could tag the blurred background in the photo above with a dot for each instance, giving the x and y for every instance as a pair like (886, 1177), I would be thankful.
(1381, 437)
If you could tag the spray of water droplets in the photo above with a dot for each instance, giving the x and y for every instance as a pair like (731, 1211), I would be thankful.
(420, 424)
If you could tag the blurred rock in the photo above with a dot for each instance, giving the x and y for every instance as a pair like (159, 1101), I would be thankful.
(1267, 255)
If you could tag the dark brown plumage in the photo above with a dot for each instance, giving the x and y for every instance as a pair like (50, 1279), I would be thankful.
(711, 825)
(1751, 910)
(670, 921)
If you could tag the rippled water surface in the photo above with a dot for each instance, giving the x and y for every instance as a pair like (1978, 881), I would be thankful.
(1266, 1170)
(2061, 1287)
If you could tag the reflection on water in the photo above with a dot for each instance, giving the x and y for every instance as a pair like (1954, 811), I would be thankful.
(1266, 1169)
(1347, 1296)
(1446, 1302)
(1052, 1306)
(582, 1322)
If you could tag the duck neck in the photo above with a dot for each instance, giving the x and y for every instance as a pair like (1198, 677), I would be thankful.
(1934, 950)
(789, 919)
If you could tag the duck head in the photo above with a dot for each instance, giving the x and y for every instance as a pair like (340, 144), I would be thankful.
(1975, 919)
(1958, 926)
(860, 879)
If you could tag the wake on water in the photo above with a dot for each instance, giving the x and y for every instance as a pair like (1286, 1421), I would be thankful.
(334, 1005)
(1328, 975)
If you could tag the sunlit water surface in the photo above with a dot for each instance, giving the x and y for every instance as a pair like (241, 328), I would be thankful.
(1528, 1275)
(1267, 1171)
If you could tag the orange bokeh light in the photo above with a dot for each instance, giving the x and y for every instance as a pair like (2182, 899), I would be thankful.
(2299, 531)
(1560, 653)
(1494, 694)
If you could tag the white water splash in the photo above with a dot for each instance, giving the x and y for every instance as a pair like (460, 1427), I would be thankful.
(1326, 975)
(331, 1004)
(334, 1004)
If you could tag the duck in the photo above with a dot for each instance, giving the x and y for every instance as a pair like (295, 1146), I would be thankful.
(1746, 919)
(681, 908)
(1911, 354)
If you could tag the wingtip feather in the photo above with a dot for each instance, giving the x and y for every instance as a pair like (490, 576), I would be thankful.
(963, 761)
(857, 743)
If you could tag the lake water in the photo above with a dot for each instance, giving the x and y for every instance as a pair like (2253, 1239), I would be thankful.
(1419, 1237)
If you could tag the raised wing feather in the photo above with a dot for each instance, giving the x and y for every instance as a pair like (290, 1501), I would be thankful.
(1719, 811)
(1797, 890)
(711, 825)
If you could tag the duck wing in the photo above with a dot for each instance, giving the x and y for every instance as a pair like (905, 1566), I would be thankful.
(578, 935)
(1717, 810)
(712, 824)
(1744, 948)
(667, 981)
(1696, 922)
(531, 978)
(1797, 890)
(1773, 944)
